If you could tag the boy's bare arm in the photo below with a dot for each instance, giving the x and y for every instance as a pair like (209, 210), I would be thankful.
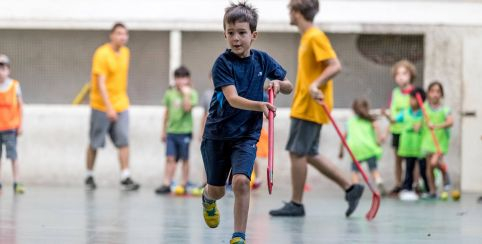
(164, 125)
(186, 98)
(333, 67)
(283, 86)
(239, 102)
(20, 112)
(378, 133)
(203, 124)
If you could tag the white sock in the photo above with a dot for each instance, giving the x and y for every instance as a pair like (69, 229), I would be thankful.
(378, 181)
(125, 174)
(89, 173)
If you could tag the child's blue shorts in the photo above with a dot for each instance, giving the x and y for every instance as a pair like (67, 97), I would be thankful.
(221, 156)
(177, 146)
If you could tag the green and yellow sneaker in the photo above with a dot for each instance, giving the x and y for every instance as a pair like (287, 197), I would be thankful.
(211, 214)
(18, 188)
(237, 240)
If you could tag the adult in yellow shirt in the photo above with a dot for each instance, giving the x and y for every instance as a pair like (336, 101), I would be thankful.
(317, 65)
(110, 103)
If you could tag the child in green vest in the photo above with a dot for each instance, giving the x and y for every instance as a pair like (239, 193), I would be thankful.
(440, 120)
(404, 73)
(410, 143)
(364, 137)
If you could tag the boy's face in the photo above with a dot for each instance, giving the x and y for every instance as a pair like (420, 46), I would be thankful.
(120, 36)
(240, 37)
(402, 76)
(4, 71)
(182, 81)
(294, 15)
(414, 103)
(434, 94)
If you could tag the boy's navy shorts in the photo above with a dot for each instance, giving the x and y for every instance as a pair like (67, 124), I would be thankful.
(178, 146)
(221, 156)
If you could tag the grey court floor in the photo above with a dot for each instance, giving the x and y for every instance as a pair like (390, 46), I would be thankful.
(70, 215)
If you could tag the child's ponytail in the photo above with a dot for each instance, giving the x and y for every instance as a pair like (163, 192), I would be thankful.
(362, 109)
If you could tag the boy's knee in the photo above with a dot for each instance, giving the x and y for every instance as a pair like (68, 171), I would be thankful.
(241, 183)
(215, 192)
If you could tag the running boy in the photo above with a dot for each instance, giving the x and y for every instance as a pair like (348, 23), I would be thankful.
(235, 118)
(404, 74)
(364, 138)
(10, 118)
(440, 120)
(177, 129)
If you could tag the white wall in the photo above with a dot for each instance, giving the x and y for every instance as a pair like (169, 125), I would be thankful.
(52, 149)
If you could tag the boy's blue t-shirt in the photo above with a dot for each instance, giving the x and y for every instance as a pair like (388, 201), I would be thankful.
(248, 76)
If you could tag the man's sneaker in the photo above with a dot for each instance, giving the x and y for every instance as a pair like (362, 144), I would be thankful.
(353, 197)
(90, 183)
(161, 190)
(237, 240)
(129, 185)
(289, 210)
(211, 214)
(408, 196)
(18, 188)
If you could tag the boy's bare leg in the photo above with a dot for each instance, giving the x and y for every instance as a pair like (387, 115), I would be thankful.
(169, 171)
(241, 191)
(299, 169)
(124, 157)
(185, 172)
(91, 155)
(327, 168)
(15, 170)
(214, 192)
(354, 177)
(398, 170)
(256, 168)
(430, 175)
(376, 176)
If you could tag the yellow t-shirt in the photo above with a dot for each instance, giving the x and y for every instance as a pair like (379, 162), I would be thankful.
(314, 48)
(114, 66)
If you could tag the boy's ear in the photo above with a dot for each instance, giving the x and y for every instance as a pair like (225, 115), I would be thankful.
(255, 35)
(224, 33)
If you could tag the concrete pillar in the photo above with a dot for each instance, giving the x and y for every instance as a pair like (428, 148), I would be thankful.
(175, 52)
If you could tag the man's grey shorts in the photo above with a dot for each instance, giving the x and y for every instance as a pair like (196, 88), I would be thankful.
(9, 139)
(304, 138)
(100, 126)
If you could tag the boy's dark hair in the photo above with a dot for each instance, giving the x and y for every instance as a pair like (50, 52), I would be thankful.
(361, 107)
(117, 25)
(418, 90)
(407, 65)
(241, 12)
(182, 72)
(307, 8)
(436, 83)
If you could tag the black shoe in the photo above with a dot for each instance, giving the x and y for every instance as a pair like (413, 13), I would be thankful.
(90, 183)
(161, 190)
(289, 210)
(479, 200)
(130, 185)
(353, 197)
